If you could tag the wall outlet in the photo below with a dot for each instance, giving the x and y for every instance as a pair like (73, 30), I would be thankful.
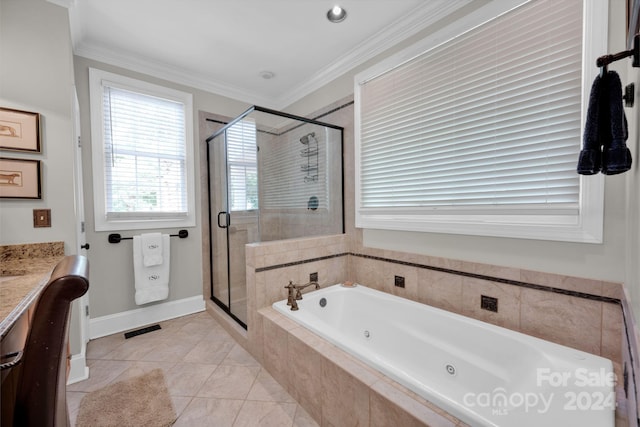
(489, 303)
(41, 218)
(313, 277)
(398, 281)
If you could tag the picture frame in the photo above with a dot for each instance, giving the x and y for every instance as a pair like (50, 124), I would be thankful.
(20, 179)
(19, 130)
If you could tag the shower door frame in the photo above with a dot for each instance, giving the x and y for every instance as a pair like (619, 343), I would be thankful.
(226, 307)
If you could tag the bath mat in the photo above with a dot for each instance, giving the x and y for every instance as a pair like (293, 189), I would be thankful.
(139, 401)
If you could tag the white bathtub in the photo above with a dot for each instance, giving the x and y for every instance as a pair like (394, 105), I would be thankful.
(483, 374)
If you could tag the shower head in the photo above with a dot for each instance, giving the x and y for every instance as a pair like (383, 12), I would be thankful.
(310, 137)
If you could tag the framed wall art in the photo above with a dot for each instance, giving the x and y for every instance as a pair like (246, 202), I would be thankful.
(20, 179)
(19, 130)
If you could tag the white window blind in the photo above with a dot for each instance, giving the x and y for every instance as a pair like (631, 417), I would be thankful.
(242, 164)
(142, 154)
(477, 128)
(489, 118)
(145, 154)
(294, 172)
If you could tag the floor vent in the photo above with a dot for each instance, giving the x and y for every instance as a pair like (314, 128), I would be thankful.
(141, 331)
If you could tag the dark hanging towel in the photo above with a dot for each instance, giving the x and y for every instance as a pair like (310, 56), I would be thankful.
(605, 132)
(589, 162)
(616, 158)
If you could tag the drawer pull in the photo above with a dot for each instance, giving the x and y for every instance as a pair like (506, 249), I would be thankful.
(15, 359)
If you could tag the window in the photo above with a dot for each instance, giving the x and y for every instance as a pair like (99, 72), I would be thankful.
(477, 129)
(142, 154)
(242, 164)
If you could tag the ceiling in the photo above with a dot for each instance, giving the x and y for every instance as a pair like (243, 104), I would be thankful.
(223, 46)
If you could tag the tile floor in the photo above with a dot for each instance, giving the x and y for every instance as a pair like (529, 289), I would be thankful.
(212, 380)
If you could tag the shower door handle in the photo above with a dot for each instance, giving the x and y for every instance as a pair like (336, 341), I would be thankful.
(226, 219)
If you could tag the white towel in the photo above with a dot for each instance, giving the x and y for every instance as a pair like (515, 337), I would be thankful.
(151, 249)
(152, 283)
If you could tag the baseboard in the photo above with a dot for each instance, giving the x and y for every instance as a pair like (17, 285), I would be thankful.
(78, 369)
(119, 322)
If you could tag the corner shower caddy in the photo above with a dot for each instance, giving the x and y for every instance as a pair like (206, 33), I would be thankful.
(311, 153)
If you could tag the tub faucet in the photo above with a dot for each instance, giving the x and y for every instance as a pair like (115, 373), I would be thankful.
(291, 300)
(298, 288)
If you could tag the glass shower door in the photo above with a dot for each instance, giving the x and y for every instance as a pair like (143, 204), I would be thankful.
(234, 184)
(272, 176)
(219, 220)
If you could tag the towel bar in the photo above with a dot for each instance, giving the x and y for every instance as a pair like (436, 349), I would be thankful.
(605, 60)
(115, 237)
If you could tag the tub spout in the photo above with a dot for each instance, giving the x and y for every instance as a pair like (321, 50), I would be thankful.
(291, 300)
(298, 288)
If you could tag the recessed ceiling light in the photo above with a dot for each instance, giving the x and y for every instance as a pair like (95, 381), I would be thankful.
(336, 14)
(267, 75)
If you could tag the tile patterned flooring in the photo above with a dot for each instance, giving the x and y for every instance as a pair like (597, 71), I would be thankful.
(212, 380)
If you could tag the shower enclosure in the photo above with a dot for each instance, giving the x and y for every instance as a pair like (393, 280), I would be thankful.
(272, 176)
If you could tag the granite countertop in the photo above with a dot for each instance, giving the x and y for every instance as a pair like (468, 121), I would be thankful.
(24, 271)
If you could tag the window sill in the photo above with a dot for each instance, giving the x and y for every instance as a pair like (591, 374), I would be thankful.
(569, 228)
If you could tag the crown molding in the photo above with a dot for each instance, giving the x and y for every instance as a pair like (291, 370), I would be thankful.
(418, 19)
(170, 73)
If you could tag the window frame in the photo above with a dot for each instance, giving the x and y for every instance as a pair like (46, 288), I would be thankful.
(241, 164)
(98, 79)
(586, 226)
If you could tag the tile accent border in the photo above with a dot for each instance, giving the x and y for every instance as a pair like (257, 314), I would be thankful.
(545, 288)
(304, 261)
(496, 279)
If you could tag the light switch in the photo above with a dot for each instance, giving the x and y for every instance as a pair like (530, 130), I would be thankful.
(41, 218)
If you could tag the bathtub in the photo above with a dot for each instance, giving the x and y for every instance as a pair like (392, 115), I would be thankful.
(482, 374)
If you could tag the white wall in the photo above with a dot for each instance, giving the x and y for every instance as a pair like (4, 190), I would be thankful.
(36, 74)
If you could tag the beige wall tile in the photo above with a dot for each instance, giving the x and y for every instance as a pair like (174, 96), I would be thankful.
(255, 336)
(612, 290)
(368, 272)
(305, 371)
(276, 280)
(612, 332)
(389, 406)
(491, 270)
(438, 289)
(508, 296)
(578, 284)
(345, 400)
(566, 320)
(275, 351)
(432, 261)
(410, 275)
